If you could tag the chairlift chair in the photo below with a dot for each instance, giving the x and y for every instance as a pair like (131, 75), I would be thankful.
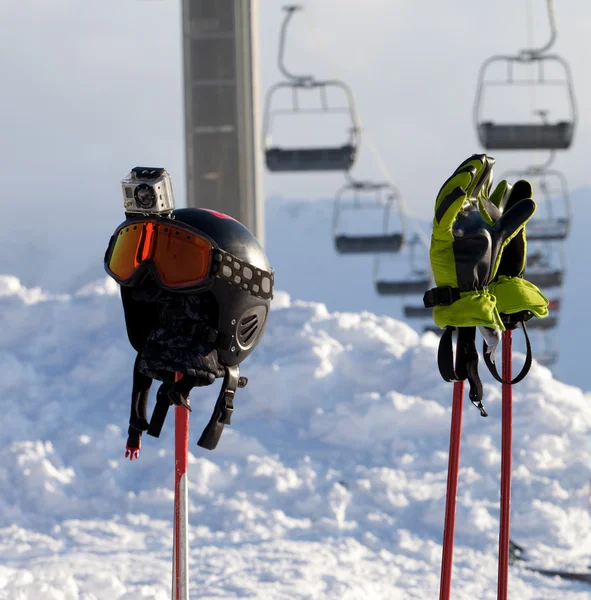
(527, 136)
(402, 288)
(542, 135)
(386, 196)
(412, 311)
(546, 349)
(433, 329)
(548, 228)
(542, 269)
(547, 358)
(545, 344)
(546, 279)
(551, 228)
(419, 281)
(550, 322)
(305, 159)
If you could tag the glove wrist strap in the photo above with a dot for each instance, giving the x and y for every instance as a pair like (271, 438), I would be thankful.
(489, 360)
(466, 363)
(441, 296)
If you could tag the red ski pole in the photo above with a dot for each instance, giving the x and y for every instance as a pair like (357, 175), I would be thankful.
(180, 575)
(506, 451)
(452, 490)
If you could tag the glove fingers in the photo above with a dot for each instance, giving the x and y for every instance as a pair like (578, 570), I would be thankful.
(514, 219)
(482, 183)
(513, 258)
(447, 210)
(522, 190)
(489, 212)
(468, 180)
(501, 193)
(506, 228)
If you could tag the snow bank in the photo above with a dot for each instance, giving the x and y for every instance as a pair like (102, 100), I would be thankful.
(329, 484)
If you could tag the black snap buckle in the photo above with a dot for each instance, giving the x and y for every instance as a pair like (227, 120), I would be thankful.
(227, 408)
(428, 300)
(441, 296)
(445, 295)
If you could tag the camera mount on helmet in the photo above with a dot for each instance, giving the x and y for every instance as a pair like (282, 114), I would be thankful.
(147, 191)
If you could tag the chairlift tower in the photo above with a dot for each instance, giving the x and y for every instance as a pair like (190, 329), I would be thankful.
(222, 132)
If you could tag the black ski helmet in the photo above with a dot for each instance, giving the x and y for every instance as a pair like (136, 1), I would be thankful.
(241, 284)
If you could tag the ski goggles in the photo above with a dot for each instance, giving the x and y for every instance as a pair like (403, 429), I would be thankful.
(179, 258)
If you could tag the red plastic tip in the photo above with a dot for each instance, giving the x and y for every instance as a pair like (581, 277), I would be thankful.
(131, 452)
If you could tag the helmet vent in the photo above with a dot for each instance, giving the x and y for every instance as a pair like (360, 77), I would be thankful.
(248, 328)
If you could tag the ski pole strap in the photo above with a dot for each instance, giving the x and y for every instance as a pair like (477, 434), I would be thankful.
(224, 407)
(466, 363)
(139, 403)
(222, 413)
(440, 296)
(489, 361)
(160, 410)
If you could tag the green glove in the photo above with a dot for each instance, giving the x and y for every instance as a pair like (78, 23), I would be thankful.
(466, 247)
(517, 298)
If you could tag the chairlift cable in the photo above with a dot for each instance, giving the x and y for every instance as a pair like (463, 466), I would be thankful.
(290, 9)
(535, 52)
(306, 158)
(385, 197)
(530, 43)
(366, 136)
(334, 73)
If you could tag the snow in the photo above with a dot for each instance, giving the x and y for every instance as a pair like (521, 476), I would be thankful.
(329, 484)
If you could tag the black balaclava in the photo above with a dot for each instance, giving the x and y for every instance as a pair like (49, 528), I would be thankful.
(171, 346)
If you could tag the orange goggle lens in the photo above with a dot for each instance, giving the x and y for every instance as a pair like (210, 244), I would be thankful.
(123, 261)
(180, 257)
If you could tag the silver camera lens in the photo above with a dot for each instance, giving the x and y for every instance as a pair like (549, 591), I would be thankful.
(145, 196)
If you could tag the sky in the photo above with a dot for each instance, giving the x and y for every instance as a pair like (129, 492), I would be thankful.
(92, 89)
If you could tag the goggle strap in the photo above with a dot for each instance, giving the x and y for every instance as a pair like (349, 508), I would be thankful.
(225, 266)
(243, 275)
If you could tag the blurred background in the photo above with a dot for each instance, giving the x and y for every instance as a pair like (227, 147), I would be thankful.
(93, 89)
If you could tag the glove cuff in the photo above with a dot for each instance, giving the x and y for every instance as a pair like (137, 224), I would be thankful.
(476, 308)
(515, 294)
